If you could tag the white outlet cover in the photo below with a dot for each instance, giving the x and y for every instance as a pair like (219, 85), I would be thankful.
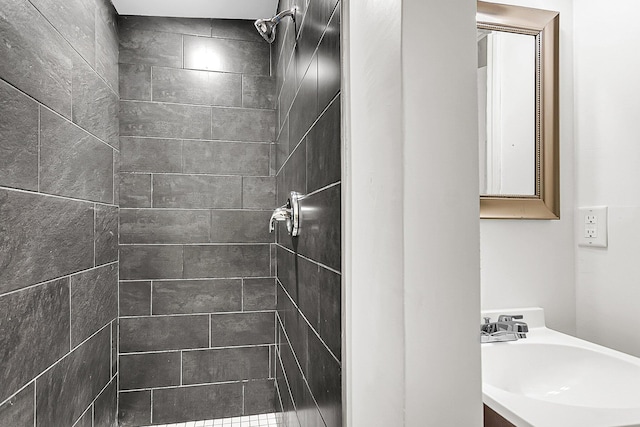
(600, 226)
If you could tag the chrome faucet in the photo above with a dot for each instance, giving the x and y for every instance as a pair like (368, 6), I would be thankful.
(282, 213)
(289, 213)
(507, 328)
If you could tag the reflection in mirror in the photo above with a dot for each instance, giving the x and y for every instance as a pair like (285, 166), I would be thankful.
(506, 110)
(518, 112)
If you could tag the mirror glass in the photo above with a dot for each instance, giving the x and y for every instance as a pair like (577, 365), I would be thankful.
(518, 56)
(506, 107)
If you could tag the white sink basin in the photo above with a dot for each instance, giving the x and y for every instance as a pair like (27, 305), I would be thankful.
(552, 379)
(562, 374)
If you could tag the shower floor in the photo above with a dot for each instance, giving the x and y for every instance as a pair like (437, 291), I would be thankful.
(263, 420)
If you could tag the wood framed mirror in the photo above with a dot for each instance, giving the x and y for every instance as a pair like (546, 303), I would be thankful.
(518, 72)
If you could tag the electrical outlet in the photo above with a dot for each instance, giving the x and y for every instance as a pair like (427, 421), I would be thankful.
(593, 226)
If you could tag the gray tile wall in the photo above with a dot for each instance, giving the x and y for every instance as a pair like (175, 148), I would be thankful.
(58, 213)
(306, 60)
(197, 188)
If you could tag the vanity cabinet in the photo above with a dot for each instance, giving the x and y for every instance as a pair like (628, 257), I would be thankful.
(493, 419)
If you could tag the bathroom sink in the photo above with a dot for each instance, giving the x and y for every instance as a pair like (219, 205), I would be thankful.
(552, 379)
(562, 374)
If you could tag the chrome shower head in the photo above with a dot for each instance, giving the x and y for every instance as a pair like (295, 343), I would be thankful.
(267, 27)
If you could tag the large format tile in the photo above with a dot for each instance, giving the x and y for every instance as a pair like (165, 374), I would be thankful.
(107, 46)
(95, 105)
(287, 272)
(237, 29)
(308, 290)
(75, 20)
(106, 234)
(329, 62)
(135, 298)
(135, 82)
(227, 364)
(94, 301)
(86, 419)
(197, 87)
(64, 391)
(18, 411)
(164, 120)
(259, 294)
(288, 92)
(197, 296)
(163, 333)
(240, 226)
(259, 397)
(304, 110)
(226, 158)
(259, 192)
(330, 310)
(134, 190)
(42, 238)
(226, 261)
(196, 191)
(282, 146)
(197, 403)
(164, 226)
(192, 26)
(150, 155)
(311, 31)
(73, 163)
(321, 229)
(240, 124)
(134, 408)
(35, 57)
(35, 333)
(323, 149)
(105, 408)
(150, 47)
(149, 370)
(242, 329)
(258, 92)
(232, 56)
(150, 262)
(18, 139)
(324, 378)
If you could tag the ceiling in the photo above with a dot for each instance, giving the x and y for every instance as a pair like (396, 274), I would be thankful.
(223, 9)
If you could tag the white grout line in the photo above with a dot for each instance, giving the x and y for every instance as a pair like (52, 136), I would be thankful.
(326, 267)
(200, 314)
(223, 141)
(55, 196)
(234, 347)
(310, 326)
(202, 106)
(316, 120)
(35, 415)
(54, 364)
(39, 144)
(195, 244)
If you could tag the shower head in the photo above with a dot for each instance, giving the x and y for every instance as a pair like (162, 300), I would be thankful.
(267, 27)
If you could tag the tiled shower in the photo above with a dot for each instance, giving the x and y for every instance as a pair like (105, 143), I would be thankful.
(140, 161)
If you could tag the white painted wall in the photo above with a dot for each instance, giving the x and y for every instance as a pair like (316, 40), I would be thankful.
(441, 230)
(607, 89)
(526, 262)
(410, 214)
(373, 282)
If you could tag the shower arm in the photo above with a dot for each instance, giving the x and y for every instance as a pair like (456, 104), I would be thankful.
(291, 12)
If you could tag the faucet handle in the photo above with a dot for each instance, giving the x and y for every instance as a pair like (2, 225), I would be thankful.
(487, 320)
(509, 317)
